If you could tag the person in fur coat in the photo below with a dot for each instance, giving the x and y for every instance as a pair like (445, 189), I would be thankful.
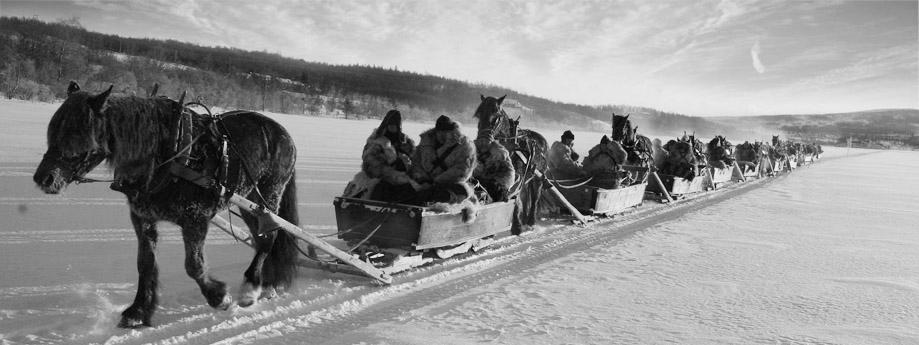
(495, 170)
(444, 161)
(603, 161)
(563, 161)
(386, 164)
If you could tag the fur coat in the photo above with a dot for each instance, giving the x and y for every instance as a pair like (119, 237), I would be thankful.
(604, 158)
(383, 161)
(562, 165)
(494, 170)
(450, 163)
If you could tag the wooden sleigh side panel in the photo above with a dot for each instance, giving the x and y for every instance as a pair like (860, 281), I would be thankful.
(417, 228)
(596, 200)
(679, 186)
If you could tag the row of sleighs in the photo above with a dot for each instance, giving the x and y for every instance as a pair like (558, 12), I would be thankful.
(429, 208)
(765, 158)
(394, 230)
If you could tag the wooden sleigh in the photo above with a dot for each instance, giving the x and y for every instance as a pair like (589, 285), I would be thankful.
(676, 187)
(792, 162)
(752, 169)
(806, 160)
(396, 237)
(779, 165)
(381, 239)
(720, 176)
(595, 200)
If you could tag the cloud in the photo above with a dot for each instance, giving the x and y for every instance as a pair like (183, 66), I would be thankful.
(757, 64)
(682, 56)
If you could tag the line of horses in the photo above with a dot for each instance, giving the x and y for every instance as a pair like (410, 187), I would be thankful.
(177, 165)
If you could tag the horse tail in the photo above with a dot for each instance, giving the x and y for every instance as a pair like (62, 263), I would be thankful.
(281, 261)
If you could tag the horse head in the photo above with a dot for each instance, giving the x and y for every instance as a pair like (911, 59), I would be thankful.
(622, 128)
(77, 140)
(492, 118)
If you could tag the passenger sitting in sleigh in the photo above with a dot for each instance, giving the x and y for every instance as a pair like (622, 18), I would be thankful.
(603, 163)
(386, 164)
(563, 161)
(444, 161)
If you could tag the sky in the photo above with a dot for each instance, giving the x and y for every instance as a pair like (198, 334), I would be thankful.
(704, 58)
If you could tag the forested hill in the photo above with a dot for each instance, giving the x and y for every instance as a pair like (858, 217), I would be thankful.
(883, 128)
(39, 58)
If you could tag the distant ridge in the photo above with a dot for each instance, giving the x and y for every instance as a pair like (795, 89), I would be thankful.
(38, 58)
(234, 78)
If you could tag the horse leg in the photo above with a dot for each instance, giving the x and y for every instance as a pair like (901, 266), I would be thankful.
(251, 288)
(517, 217)
(535, 188)
(274, 263)
(141, 311)
(214, 291)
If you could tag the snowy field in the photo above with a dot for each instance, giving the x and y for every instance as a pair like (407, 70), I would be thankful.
(825, 255)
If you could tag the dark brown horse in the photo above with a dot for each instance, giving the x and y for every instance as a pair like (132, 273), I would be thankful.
(137, 137)
(638, 147)
(495, 124)
(754, 156)
(720, 152)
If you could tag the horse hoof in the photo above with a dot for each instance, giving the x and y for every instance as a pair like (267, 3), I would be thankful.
(249, 295)
(133, 322)
(134, 318)
(225, 303)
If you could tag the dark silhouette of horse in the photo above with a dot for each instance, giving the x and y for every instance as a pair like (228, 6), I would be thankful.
(685, 158)
(137, 137)
(495, 124)
(756, 153)
(637, 146)
(720, 152)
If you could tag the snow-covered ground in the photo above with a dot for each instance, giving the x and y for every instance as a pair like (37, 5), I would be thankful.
(825, 255)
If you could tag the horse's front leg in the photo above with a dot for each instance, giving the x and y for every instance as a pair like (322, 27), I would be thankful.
(214, 291)
(141, 311)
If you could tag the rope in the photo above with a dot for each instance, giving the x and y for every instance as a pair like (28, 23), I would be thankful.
(79, 180)
(179, 154)
(559, 185)
(369, 235)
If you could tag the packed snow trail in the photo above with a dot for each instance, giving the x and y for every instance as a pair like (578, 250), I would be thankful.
(356, 302)
(817, 256)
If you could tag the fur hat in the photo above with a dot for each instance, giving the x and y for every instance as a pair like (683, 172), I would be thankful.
(393, 117)
(444, 123)
(567, 135)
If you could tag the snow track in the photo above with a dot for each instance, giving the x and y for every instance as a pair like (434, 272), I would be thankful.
(323, 305)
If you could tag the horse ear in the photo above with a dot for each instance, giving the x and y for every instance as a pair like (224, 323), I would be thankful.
(73, 87)
(627, 116)
(501, 99)
(97, 101)
(482, 97)
(517, 119)
(182, 98)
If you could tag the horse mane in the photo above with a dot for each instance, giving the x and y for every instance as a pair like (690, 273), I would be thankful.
(138, 128)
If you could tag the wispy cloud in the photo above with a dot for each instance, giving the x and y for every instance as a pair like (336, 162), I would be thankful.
(685, 56)
(757, 64)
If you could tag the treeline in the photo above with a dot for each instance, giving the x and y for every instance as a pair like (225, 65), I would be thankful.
(38, 58)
